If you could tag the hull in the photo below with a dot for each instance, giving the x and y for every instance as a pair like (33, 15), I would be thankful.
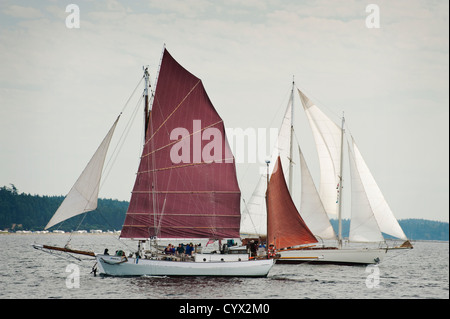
(116, 266)
(362, 256)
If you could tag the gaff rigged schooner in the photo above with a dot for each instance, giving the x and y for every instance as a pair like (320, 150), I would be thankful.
(371, 215)
(186, 186)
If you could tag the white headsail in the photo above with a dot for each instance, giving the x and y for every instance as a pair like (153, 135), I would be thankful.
(363, 226)
(385, 218)
(83, 196)
(311, 207)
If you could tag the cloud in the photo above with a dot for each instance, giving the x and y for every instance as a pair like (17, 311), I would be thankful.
(61, 85)
(22, 12)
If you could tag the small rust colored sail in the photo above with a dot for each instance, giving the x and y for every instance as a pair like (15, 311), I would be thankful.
(285, 226)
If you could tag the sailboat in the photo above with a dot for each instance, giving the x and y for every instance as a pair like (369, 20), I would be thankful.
(371, 215)
(185, 189)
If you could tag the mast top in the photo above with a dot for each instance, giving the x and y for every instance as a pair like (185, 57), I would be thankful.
(146, 77)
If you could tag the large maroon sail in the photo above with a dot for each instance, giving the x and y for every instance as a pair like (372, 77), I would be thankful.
(186, 185)
(285, 226)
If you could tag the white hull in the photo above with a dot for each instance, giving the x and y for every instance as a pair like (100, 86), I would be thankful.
(333, 256)
(116, 266)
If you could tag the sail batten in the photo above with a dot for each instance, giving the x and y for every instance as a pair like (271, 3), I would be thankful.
(186, 185)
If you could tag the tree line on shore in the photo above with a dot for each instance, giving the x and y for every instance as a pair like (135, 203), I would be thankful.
(20, 211)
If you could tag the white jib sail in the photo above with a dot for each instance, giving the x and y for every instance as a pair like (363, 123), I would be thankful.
(363, 226)
(327, 136)
(311, 207)
(387, 222)
(83, 196)
(254, 217)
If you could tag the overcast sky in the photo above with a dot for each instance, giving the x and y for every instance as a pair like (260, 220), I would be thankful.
(62, 88)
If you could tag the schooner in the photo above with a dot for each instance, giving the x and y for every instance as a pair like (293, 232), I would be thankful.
(179, 192)
(297, 238)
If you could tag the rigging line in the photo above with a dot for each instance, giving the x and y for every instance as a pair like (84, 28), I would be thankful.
(180, 178)
(270, 124)
(112, 227)
(249, 215)
(176, 214)
(112, 160)
(176, 108)
(120, 143)
(123, 109)
(183, 180)
(132, 94)
(150, 125)
(322, 105)
(186, 192)
(183, 138)
(223, 160)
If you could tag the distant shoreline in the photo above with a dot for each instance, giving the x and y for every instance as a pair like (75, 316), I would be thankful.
(112, 233)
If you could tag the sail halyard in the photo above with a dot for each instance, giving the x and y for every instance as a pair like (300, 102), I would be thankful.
(253, 222)
(83, 196)
(186, 185)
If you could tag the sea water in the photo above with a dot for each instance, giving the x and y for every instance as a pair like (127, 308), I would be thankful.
(25, 272)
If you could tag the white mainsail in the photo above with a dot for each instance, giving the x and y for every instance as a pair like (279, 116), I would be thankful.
(83, 196)
(327, 136)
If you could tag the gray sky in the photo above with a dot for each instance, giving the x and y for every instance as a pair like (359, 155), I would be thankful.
(61, 89)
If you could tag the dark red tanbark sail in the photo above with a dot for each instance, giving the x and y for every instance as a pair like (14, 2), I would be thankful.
(285, 226)
(186, 185)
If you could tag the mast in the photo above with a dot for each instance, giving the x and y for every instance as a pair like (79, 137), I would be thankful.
(267, 207)
(146, 111)
(340, 185)
(291, 137)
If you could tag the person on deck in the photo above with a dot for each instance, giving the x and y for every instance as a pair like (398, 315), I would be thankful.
(180, 250)
(189, 249)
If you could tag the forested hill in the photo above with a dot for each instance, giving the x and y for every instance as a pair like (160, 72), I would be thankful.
(20, 211)
(32, 212)
(414, 229)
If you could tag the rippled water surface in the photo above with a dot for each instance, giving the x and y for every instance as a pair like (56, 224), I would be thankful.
(29, 273)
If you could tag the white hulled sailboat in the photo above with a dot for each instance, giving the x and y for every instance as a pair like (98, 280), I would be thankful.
(186, 187)
(371, 215)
